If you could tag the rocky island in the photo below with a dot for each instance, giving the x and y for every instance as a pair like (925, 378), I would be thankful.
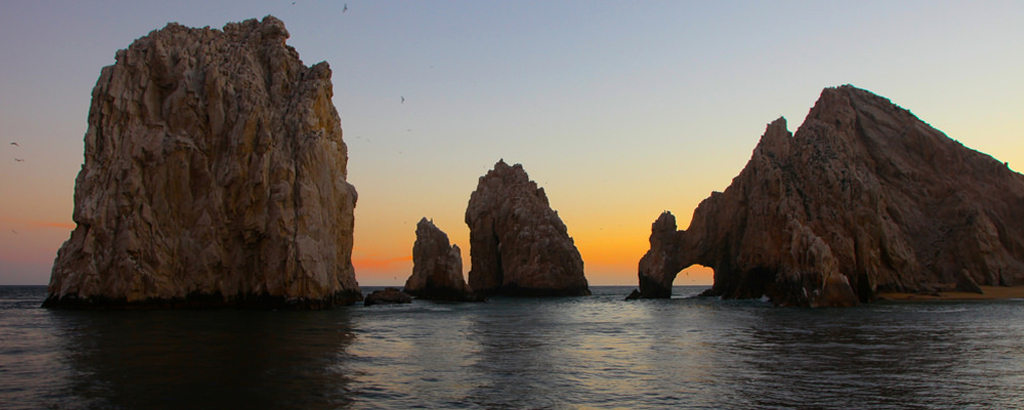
(436, 267)
(518, 244)
(864, 198)
(214, 175)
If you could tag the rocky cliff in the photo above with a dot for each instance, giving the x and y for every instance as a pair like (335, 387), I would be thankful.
(436, 266)
(214, 175)
(518, 244)
(864, 198)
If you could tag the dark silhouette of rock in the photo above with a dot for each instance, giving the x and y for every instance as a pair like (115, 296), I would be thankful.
(214, 175)
(864, 198)
(387, 296)
(634, 295)
(660, 265)
(518, 244)
(436, 267)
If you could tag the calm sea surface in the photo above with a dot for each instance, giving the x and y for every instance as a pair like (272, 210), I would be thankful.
(588, 352)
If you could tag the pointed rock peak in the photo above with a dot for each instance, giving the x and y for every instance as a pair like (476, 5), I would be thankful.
(666, 219)
(776, 126)
(426, 227)
(775, 140)
(509, 174)
(501, 166)
(270, 28)
(838, 106)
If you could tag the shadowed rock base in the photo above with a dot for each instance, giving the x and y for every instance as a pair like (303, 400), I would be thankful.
(200, 301)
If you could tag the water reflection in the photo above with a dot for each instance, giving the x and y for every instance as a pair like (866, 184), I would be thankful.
(206, 359)
(592, 352)
(879, 356)
(519, 362)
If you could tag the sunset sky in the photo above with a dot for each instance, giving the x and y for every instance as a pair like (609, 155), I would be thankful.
(618, 109)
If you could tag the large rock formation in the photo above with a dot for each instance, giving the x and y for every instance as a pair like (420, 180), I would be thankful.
(864, 198)
(436, 267)
(214, 175)
(518, 244)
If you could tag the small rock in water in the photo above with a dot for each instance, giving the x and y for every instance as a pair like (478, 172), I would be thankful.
(387, 296)
(437, 267)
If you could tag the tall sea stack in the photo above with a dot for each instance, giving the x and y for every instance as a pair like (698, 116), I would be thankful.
(214, 175)
(864, 198)
(518, 244)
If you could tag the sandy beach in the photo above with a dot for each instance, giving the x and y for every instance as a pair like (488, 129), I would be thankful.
(991, 293)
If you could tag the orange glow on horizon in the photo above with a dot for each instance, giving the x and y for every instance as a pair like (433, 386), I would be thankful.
(371, 263)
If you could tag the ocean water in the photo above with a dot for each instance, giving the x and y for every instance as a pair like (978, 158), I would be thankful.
(562, 353)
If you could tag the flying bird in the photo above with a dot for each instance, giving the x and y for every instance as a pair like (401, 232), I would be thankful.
(344, 9)
(15, 232)
(15, 144)
(403, 99)
(19, 160)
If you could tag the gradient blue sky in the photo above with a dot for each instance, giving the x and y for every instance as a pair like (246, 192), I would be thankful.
(620, 110)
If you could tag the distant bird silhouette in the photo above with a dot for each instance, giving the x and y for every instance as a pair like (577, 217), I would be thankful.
(344, 9)
(403, 99)
(19, 160)
(15, 144)
(15, 232)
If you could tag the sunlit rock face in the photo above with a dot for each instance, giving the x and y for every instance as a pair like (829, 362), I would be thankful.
(864, 198)
(518, 244)
(436, 266)
(214, 175)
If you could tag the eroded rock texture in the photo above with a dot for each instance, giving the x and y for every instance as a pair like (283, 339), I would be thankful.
(864, 198)
(518, 244)
(436, 267)
(214, 175)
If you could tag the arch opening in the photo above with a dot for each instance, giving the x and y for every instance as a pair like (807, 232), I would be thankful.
(693, 280)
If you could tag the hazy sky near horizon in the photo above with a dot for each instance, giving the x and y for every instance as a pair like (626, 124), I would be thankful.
(620, 110)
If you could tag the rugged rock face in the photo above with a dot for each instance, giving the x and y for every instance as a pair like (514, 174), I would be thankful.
(436, 267)
(518, 244)
(864, 198)
(214, 175)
